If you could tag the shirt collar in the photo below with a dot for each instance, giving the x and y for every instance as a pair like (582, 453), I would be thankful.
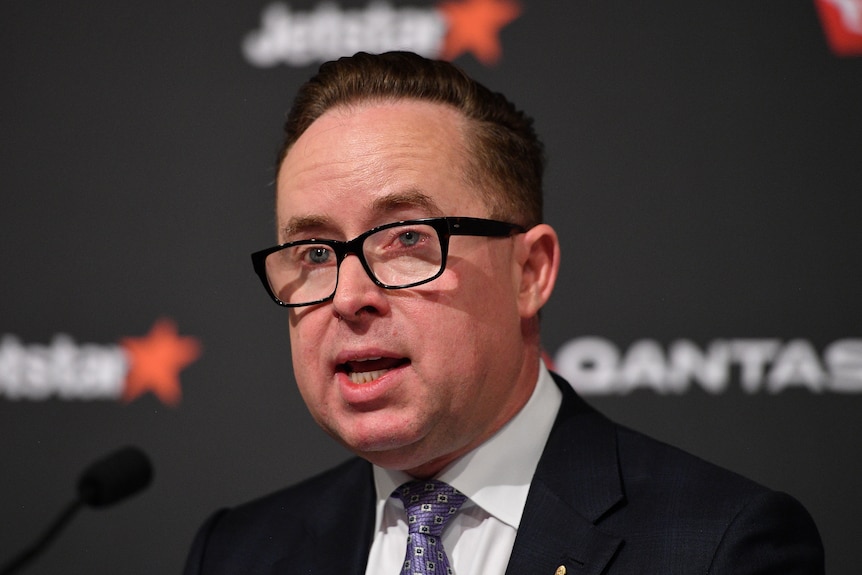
(496, 475)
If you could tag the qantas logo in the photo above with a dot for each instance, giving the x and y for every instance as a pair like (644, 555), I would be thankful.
(842, 23)
(596, 366)
(123, 372)
(447, 31)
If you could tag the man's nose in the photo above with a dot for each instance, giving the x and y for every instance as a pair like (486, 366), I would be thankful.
(356, 294)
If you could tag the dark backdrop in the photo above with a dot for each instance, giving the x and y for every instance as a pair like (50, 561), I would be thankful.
(704, 176)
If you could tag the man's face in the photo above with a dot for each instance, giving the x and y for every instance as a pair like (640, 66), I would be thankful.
(446, 359)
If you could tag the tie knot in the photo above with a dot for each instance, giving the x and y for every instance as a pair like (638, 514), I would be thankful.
(429, 505)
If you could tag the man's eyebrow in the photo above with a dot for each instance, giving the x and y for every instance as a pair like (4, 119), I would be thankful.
(411, 198)
(298, 224)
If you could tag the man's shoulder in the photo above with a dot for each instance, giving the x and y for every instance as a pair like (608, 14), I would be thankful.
(662, 475)
(350, 479)
(718, 513)
(645, 465)
(655, 472)
(665, 506)
(291, 525)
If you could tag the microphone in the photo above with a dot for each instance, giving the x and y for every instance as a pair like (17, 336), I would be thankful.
(115, 477)
(105, 482)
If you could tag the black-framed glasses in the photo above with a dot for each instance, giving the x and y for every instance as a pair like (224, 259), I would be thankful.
(397, 255)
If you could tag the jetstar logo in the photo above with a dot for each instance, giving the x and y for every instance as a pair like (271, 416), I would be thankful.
(123, 372)
(447, 31)
(842, 22)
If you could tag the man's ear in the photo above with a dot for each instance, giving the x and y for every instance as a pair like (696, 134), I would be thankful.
(538, 259)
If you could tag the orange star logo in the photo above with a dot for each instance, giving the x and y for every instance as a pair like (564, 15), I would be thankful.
(156, 360)
(474, 26)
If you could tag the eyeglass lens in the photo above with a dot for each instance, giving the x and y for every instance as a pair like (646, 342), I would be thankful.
(395, 256)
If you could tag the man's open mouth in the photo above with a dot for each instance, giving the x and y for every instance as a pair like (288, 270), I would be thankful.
(367, 370)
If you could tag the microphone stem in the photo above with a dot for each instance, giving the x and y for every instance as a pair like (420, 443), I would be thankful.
(27, 555)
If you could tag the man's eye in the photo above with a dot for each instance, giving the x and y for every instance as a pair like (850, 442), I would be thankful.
(318, 255)
(410, 238)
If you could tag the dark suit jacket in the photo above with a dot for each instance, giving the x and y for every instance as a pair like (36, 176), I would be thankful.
(604, 500)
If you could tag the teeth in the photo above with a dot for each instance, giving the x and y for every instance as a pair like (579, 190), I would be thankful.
(366, 376)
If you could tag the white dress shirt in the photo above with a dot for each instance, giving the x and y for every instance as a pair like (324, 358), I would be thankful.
(495, 476)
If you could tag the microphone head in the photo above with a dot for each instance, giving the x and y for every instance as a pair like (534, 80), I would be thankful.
(115, 477)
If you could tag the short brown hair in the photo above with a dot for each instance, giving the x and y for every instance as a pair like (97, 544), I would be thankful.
(506, 158)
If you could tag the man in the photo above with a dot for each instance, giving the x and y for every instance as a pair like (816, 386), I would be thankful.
(414, 262)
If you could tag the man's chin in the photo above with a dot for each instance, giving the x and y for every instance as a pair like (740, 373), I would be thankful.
(389, 452)
(411, 458)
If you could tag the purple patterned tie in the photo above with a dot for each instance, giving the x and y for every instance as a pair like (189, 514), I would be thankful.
(429, 504)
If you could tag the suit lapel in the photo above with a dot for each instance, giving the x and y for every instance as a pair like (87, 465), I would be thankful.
(551, 534)
(577, 482)
(338, 538)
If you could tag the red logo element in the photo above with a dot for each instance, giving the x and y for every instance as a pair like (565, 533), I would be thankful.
(474, 26)
(155, 362)
(842, 22)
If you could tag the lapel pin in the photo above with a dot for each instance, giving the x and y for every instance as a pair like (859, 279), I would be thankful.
(561, 570)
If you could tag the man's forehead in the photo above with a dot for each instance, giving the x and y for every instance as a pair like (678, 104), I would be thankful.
(417, 117)
(356, 168)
